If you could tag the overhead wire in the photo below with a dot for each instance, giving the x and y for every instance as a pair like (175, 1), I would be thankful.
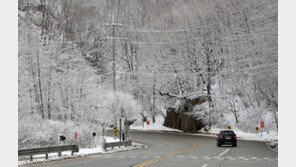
(196, 73)
(198, 36)
(252, 6)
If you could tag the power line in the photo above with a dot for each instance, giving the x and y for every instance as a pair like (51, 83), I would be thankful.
(250, 77)
(239, 59)
(231, 57)
(163, 43)
(203, 35)
(191, 28)
(196, 73)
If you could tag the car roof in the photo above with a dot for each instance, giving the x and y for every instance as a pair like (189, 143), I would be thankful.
(226, 131)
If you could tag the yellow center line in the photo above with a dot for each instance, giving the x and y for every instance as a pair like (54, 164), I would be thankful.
(152, 161)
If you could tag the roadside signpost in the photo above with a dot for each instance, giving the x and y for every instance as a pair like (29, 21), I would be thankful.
(257, 129)
(120, 139)
(148, 123)
(76, 136)
(261, 126)
(103, 133)
(115, 131)
(93, 134)
(60, 138)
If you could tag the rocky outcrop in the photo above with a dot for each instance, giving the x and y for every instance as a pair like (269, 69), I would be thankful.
(182, 118)
(182, 121)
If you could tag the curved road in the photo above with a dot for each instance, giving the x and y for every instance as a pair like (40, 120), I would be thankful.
(178, 149)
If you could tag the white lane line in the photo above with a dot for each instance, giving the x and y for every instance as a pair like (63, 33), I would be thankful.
(205, 165)
(121, 156)
(194, 157)
(133, 156)
(180, 156)
(108, 156)
(223, 152)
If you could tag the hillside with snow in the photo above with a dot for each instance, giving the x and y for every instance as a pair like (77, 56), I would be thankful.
(83, 65)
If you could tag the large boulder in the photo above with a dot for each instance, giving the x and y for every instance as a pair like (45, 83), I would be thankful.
(183, 117)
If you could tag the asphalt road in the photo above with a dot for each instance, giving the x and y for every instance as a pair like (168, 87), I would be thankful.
(175, 150)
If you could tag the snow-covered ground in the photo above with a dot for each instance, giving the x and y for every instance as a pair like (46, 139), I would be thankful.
(266, 136)
(158, 126)
(82, 152)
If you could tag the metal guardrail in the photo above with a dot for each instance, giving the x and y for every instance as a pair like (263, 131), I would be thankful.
(117, 144)
(46, 150)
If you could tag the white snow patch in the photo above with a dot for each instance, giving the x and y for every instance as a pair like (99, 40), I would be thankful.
(154, 127)
(157, 126)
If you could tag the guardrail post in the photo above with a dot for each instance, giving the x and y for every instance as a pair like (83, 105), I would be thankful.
(46, 156)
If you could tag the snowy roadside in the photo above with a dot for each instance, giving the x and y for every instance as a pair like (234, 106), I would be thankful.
(82, 152)
(154, 127)
(270, 137)
(266, 136)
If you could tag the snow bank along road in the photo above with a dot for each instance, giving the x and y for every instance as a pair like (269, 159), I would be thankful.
(171, 149)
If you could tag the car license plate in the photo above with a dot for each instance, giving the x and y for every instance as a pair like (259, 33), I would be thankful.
(227, 137)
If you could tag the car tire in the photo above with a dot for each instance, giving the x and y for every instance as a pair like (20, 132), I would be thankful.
(218, 144)
(234, 144)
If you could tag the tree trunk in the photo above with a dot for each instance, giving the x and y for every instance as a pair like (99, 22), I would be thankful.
(49, 96)
(40, 87)
(209, 89)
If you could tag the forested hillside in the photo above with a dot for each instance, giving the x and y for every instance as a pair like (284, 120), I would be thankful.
(73, 55)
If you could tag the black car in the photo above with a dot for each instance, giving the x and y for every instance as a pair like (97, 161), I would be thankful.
(226, 137)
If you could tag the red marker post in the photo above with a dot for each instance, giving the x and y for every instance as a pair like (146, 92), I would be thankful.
(261, 126)
(76, 135)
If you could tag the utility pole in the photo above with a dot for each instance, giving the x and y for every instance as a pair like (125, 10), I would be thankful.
(120, 130)
(113, 48)
(113, 54)
(114, 57)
